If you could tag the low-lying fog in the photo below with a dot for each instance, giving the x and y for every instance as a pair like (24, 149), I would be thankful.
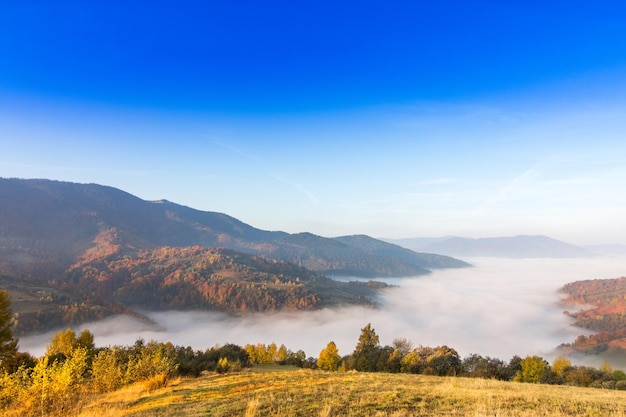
(498, 308)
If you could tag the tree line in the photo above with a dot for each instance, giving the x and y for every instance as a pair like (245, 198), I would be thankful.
(73, 369)
(370, 356)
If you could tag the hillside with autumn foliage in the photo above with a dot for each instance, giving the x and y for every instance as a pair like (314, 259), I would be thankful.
(109, 278)
(208, 278)
(602, 305)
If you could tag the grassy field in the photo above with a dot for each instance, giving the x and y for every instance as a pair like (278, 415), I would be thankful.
(280, 391)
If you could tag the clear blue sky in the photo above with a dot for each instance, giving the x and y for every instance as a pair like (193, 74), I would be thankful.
(394, 119)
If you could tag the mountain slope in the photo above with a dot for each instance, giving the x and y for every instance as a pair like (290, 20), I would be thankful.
(40, 212)
(57, 221)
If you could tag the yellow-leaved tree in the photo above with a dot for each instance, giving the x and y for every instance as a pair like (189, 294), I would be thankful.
(329, 359)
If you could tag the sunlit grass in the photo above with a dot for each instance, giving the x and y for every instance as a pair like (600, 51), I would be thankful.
(267, 392)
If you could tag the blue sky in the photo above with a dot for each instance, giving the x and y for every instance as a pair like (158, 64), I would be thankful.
(395, 119)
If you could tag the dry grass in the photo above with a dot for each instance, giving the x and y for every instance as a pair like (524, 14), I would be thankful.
(310, 393)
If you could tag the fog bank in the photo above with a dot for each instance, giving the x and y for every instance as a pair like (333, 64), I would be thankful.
(499, 308)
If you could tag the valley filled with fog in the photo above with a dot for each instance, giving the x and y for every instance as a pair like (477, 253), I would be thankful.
(498, 308)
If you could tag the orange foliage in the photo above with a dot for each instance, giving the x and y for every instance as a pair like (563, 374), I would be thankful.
(193, 277)
(605, 311)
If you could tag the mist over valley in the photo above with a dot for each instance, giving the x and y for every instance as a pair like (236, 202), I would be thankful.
(499, 307)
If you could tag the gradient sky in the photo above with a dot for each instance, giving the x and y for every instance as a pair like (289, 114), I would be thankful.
(394, 119)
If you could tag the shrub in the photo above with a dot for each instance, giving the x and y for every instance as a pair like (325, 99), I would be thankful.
(156, 382)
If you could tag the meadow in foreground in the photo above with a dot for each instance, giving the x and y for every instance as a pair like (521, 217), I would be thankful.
(286, 391)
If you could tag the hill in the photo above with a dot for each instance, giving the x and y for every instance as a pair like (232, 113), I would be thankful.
(39, 306)
(503, 247)
(109, 278)
(283, 391)
(603, 311)
(195, 277)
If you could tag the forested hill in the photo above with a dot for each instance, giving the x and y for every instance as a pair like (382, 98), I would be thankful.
(603, 311)
(111, 279)
(52, 223)
(207, 278)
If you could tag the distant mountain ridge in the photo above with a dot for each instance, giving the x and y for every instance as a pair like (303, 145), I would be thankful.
(520, 246)
(607, 249)
(381, 248)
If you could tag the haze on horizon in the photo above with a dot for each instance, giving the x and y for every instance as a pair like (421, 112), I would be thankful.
(402, 120)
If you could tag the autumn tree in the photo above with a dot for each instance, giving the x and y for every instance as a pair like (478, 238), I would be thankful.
(402, 345)
(398, 350)
(67, 382)
(534, 370)
(367, 351)
(63, 343)
(580, 376)
(272, 352)
(444, 361)
(153, 360)
(606, 367)
(560, 365)
(329, 359)
(368, 338)
(440, 360)
(259, 353)
(109, 369)
(283, 354)
(8, 343)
